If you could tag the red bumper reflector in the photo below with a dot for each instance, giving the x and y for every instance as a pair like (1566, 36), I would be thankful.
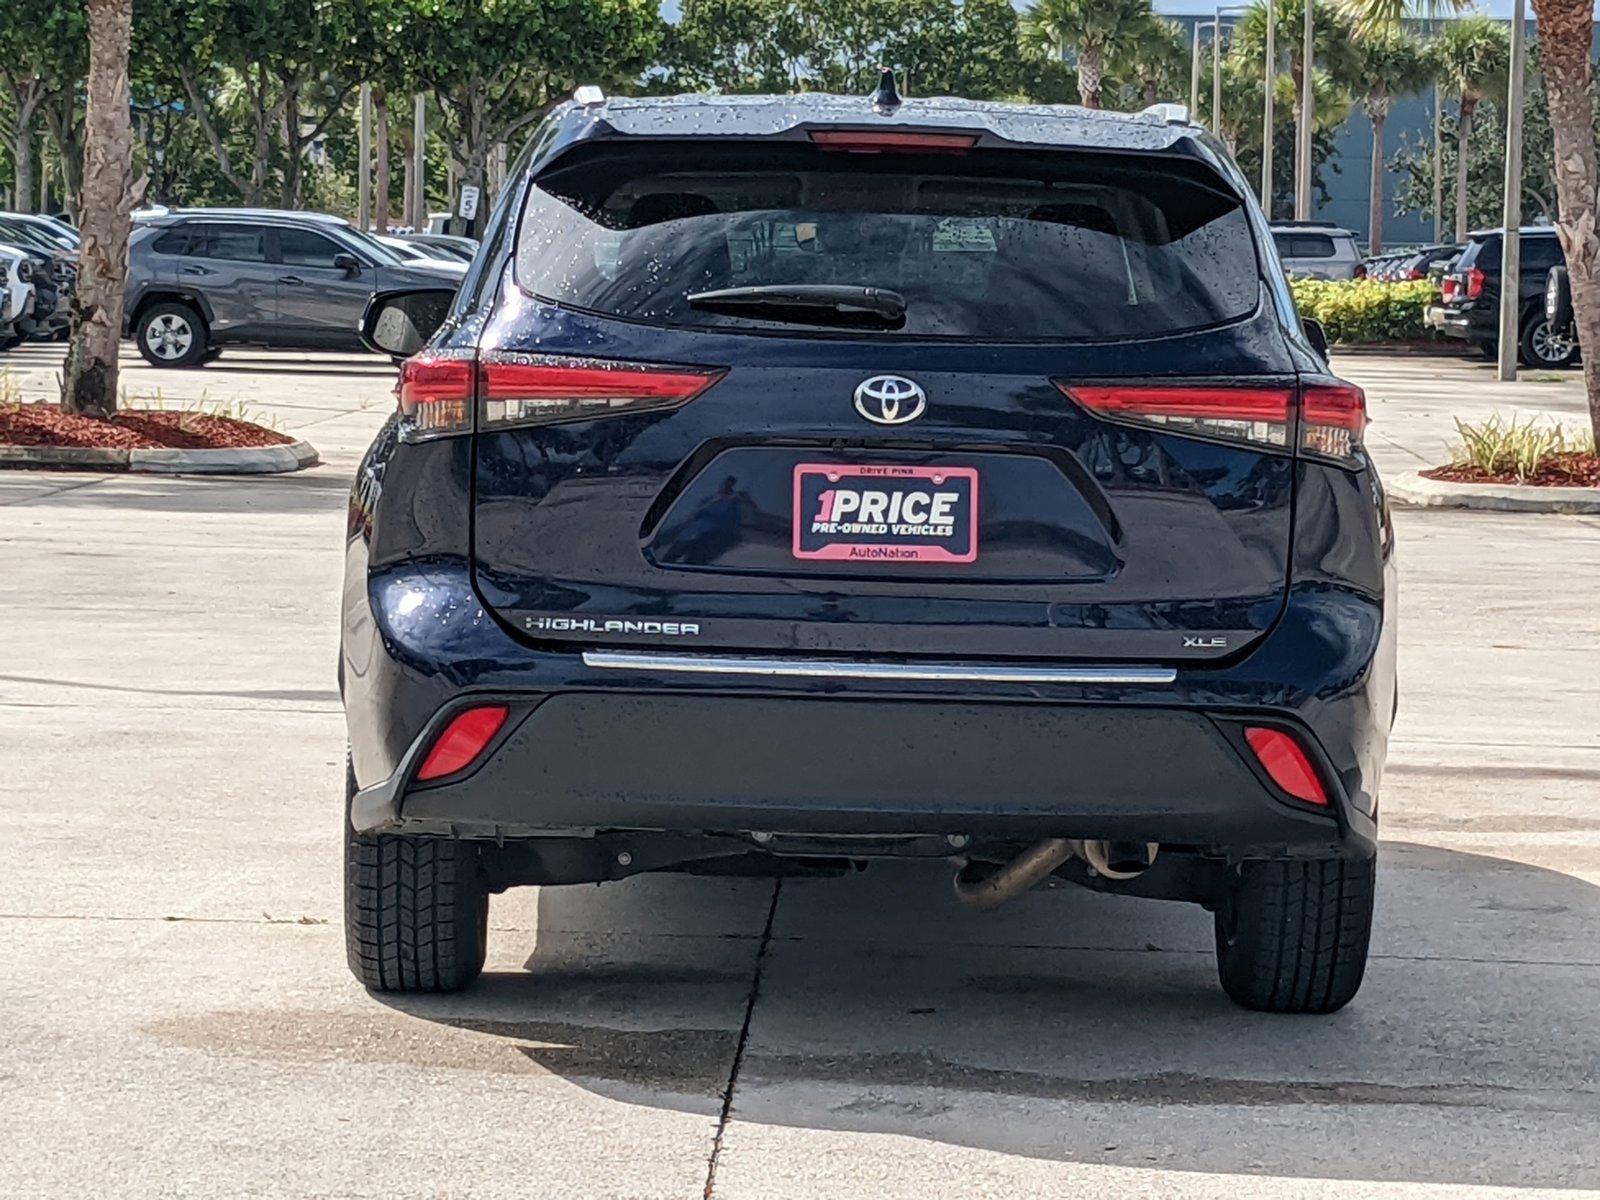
(463, 740)
(1286, 761)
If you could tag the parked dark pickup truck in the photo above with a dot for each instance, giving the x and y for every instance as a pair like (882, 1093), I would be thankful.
(1470, 304)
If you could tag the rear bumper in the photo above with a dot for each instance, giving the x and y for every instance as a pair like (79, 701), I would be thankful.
(1463, 323)
(575, 763)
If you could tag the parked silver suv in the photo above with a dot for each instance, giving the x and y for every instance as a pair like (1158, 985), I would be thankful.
(201, 279)
(1317, 250)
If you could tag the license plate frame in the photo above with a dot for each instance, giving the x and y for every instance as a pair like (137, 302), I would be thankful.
(918, 537)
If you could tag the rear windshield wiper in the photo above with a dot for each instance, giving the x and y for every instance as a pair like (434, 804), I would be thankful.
(809, 304)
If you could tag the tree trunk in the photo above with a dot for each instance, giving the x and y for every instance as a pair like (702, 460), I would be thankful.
(1463, 137)
(380, 188)
(1379, 114)
(408, 214)
(22, 159)
(89, 385)
(1091, 75)
(1566, 31)
(61, 116)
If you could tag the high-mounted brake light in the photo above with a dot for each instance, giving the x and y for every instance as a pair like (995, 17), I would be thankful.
(522, 389)
(870, 141)
(463, 740)
(1332, 413)
(1287, 762)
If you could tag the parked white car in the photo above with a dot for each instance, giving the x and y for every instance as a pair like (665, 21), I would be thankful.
(16, 294)
(1317, 250)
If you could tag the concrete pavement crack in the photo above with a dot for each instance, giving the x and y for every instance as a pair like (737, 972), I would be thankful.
(744, 1038)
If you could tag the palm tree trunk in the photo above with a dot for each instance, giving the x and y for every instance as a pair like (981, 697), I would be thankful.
(1463, 137)
(90, 382)
(1091, 74)
(1380, 117)
(1566, 30)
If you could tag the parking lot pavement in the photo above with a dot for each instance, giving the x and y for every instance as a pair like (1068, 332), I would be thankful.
(179, 1020)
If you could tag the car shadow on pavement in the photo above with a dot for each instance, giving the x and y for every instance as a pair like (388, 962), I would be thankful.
(1075, 1027)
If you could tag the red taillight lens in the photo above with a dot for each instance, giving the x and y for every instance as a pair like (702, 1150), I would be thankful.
(1415, 273)
(1333, 417)
(435, 395)
(538, 390)
(1257, 415)
(1448, 287)
(463, 740)
(1288, 764)
(868, 141)
(1333, 414)
(1361, 270)
(1474, 283)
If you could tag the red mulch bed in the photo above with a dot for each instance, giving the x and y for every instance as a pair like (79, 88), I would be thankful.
(1559, 470)
(130, 429)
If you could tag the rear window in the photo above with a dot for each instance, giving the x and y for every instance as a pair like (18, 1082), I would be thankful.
(1304, 245)
(990, 245)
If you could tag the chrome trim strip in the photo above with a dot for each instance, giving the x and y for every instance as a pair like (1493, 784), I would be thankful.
(824, 668)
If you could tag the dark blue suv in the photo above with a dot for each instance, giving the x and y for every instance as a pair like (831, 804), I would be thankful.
(802, 481)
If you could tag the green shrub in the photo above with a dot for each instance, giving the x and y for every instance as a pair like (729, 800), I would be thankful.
(1366, 312)
(1498, 445)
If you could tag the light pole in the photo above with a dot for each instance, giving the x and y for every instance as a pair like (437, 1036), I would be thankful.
(1438, 162)
(364, 153)
(1266, 108)
(1216, 72)
(1511, 221)
(1194, 69)
(1302, 150)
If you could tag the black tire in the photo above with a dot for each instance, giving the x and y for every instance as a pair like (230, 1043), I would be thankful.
(1292, 934)
(1537, 348)
(171, 334)
(416, 912)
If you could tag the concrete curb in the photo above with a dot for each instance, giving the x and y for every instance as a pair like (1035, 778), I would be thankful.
(1411, 490)
(245, 460)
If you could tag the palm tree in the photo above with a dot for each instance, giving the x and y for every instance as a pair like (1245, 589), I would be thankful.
(1566, 32)
(1097, 31)
(1394, 64)
(1473, 55)
(1155, 61)
(89, 385)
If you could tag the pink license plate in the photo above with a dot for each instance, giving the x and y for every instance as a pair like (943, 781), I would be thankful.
(885, 513)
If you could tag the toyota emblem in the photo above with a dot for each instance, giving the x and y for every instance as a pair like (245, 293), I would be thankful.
(890, 400)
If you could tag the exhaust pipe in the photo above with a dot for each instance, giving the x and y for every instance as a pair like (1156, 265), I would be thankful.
(1016, 877)
(1118, 860)
(1110, 860)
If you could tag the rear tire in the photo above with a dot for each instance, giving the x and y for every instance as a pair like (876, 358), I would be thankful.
(1539, 348)
(170, 334)
(1292, 934)
(416, 912)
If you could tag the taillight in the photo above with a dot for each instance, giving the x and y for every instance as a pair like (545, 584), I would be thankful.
(872, 141)
(1258, 415)
(1474, 283)
(436, 390)
(1333, 416)
(435, 395)
(1287, 762)
(463, 740)
(524, 389)
(1415, 273)
(1448, 287)
(1332, 413)
(1361, 271)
